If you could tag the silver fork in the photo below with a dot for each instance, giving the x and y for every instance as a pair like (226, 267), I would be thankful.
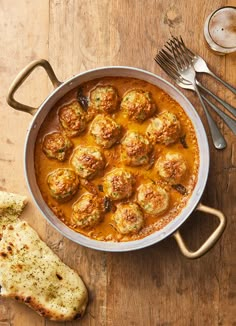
(170, 59)
(200, 65)
(174, 74)
(184, 65)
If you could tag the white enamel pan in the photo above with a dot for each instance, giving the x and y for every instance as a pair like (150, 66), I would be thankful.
(40, 114)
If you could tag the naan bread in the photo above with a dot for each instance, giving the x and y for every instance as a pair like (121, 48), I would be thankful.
(30, 272)
(11, 206)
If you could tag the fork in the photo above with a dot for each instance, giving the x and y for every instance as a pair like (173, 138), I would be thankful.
(173, 73)
(200, 65)
(184, 65)
(170, 60)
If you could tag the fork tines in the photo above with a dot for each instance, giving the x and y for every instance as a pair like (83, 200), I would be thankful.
(167, 64)
(179, 51)
(175, 53)
(176, 43)
(173, 56)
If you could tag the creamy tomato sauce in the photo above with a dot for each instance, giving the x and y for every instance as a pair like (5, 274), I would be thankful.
(186, 145)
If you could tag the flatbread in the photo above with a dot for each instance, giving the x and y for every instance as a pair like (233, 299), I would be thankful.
(31, 273)
(11, 206)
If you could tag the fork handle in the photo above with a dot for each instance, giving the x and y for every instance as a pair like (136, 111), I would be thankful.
(228, 107)
(217, 138)
(231, 88)
(231, 123)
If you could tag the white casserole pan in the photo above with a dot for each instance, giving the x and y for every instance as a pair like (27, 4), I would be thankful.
(41, 113)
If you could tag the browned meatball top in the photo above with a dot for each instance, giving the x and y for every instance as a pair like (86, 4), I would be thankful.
(104, 99)
(87, 161)
(57, 146)
(138, 105)
(73, 119)
(105, 131)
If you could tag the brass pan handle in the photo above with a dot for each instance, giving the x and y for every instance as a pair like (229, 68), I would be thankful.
(210, 242)
(20, 78)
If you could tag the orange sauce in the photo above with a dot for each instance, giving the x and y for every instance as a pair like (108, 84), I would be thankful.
(105, 230)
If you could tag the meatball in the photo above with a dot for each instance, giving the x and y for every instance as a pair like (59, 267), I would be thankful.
(63, 184)
(104, 99)
(87, 161)
(128, 218)
(87, 211)
(73, 119)
(138, 105)
(152, 198)
(171, 167)
(118, 184)
(135, 149)
(57, 146)
(105, 131)
(164, 129)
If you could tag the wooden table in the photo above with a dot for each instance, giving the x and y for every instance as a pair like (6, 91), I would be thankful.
(156, 286)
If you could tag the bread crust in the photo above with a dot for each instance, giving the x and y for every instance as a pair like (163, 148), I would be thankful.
(31, 273)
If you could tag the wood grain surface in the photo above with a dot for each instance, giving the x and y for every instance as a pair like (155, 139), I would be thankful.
(155, 286)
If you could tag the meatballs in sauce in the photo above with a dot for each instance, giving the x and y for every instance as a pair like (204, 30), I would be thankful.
(135, 149)
(63, 184)
(73, 119)
(171, 167)
(57, 146)
(106, 131)
(164, 129)
(87, 161)
(87, 211)
(104, 99)
(128, 218)
(119, 184)
(138, 105)
(115, 168)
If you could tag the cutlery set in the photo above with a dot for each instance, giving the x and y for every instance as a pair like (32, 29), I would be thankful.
(182, 65)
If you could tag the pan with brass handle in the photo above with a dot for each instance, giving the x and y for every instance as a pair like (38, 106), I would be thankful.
(61, 89)
(21, 77)
(210, 242)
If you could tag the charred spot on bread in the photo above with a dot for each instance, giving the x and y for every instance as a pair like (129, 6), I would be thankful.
(3, 254)
(27, 299)
(9, 248)
(59, 277)
(77, 316)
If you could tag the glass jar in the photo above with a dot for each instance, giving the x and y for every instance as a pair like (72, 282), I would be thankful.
(220, 30)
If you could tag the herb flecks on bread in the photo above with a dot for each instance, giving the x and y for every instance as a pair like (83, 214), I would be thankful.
(31, 273)
(11, 206)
